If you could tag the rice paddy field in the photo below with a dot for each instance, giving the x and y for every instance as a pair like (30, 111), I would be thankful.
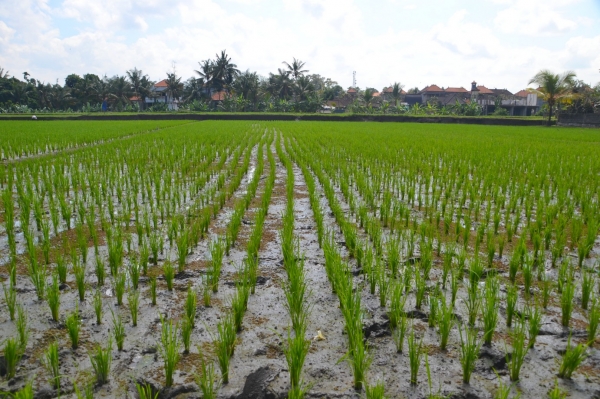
(174, 259)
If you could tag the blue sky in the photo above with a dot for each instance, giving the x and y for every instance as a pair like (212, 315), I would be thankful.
(498, 43)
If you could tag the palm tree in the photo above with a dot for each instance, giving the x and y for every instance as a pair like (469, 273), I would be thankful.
(224, 72)
(397, 92)
(206, 73)
(120, 89)
(367, 97)
(280, 85)
(303, 88)
(553, 87)
(3, 73)
(247, 84)
(296, 68)
(174, 87)
(194, 90)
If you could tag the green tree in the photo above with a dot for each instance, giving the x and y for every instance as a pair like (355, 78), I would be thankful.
(295, 68)
(552, 87)
(397, 92)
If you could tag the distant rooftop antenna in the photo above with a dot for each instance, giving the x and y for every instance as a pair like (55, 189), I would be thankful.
(174, 66)
(354, 79)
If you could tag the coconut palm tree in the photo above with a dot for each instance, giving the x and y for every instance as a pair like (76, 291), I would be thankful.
(224, 72)
(3, 73)
(295, 68)
(206, 73)
(174, 87)
(280, 85)
(397, 92)
(553, 87)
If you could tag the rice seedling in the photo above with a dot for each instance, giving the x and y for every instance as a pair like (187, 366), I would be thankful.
(37, 274)
(376, 391)
(79, 271)
(169, 349)
(476, 271)
(53, 297)
(169, 274)
(503, 391)
(556, 392)
(225, 344)
(358, 357)
(415, 352)
(22, 327)
(134, 273)
(98, 308)
(490, 311)
(397, 301)
(182, 249)
(119, 283)
(100, 271)
(566, 302)
(207, 380)
(433, 310)
(101, 360)
(445, 322)
(593, 317)
(190, 306)
(546, 290)
(145, 391)
(469, 352)
(12, 356)
(511, 303)
(153, 291)
(61, 269)
(587, 286)
(399, 333)
(447, 264)
(118, 330)
(473, 303)
(51, 362)
(534, 315)
(454, 280)
(216, 251)
(517, 357)
(186, 334)
(133, 298)
(154, 247)
(24, 393)
(513, 266)
(73, 325)
(572, 359)
(420, 290)
(10, 297)
(384, 284)
(527, 270)
(295, 355)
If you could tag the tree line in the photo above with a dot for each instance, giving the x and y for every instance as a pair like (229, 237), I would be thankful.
(290, 89)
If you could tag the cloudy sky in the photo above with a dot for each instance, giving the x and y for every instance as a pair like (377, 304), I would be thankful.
(498, 43)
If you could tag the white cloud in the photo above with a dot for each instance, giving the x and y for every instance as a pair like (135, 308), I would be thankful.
(535, 17)
(333, 38)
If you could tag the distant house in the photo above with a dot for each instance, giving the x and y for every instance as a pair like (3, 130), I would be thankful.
(160, 95)
(387, 94)
(522, 103)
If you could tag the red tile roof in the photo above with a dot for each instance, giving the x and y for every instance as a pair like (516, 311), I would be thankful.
(522, 93)
(484, 90)
(387, 90)
(432, 89)
(376, 94)
(351, 90)
(456, 90)
(218, 96)
(135, 98)
(162, 83)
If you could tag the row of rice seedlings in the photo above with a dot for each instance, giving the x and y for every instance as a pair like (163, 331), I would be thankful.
(226, 337)
(342, 284)
(295, 289)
